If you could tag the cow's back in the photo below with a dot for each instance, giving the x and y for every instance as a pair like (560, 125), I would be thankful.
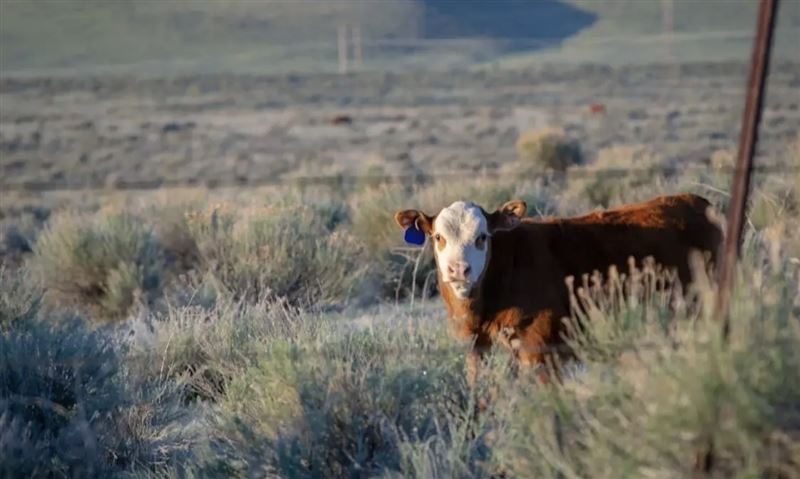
(666, 228)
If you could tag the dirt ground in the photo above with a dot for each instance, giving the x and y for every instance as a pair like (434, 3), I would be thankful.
(68, 133)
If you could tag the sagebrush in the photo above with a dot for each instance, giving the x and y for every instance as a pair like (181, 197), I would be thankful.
(214, 335)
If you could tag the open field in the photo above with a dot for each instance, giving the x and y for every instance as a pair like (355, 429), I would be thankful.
(200, 275)
(234, 129)
(256, 333)
(665, 31)
(278, 332)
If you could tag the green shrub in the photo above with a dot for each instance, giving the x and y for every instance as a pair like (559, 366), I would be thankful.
(287, 251)
(203, 348)
(618, 175)
(20, 299)
(792, 160)
(18, 233)
(372, 213)
(224, 379)
(723, 162)
(788, 243)
(547, 149)
(102, 263)
(336, 402)
(170, 226)
(767, 209)
(69, 409)
(661, 392)
(712, 181)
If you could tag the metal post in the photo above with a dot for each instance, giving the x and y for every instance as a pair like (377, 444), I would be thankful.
(759, 64)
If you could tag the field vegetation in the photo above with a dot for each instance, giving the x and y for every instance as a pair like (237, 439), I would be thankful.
(287, 330)
(275, 333)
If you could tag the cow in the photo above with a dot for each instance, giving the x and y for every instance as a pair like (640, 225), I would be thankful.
(503, 276)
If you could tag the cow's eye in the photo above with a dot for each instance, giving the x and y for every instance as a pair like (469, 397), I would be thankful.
(480, 242)
(440, 242)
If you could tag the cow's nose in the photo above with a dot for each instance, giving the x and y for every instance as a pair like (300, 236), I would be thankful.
(458, 270)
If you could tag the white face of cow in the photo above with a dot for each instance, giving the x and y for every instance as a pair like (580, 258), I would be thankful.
(461, 235)
(460, 244)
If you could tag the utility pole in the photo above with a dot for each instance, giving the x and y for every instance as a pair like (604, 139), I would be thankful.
(668, 27)
(342, 45)
(358, 50)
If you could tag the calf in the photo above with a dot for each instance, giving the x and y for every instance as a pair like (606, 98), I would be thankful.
(502, 275)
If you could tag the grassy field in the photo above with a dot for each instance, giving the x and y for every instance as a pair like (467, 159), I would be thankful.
(669, 31)
(278, 36)
(280, 333)
(285, 330)
(175, 35)
(233, 129)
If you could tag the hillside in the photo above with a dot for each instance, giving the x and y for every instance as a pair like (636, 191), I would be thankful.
(271, 36)
(257, 36)
(666, 31)
(83, 34)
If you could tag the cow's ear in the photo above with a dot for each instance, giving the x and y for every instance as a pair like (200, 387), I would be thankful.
(407, 218)
(507, 216)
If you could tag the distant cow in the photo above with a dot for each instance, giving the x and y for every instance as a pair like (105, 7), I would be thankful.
(502, 275)
(597, 109)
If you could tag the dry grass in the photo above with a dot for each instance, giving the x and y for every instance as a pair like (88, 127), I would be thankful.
(290, 251)
(102, 264)
(20, 298)
(248, 357)
(547, 149)
(616, 176)
(69, 407)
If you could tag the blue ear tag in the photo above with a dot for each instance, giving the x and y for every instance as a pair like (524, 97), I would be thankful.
(414, 235)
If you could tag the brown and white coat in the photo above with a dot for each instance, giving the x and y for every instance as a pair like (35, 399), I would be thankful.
(502, 275)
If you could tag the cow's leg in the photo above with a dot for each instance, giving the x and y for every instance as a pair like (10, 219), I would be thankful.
(545, 359)
(536, 363)
(540, 347)
(475, 357)
(541, 357)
